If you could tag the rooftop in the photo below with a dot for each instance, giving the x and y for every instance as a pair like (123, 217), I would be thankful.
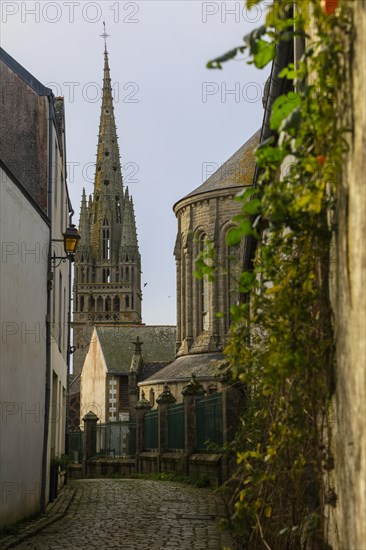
(158, 345)
(236, 172)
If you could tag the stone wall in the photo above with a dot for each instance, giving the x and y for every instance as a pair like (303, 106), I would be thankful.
(347, 517)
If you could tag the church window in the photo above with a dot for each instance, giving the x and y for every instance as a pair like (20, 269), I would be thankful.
(118, 210)
(106, 240)
(82, 303)
(132, 274)
(106, 153)
(127, 273)
(127, 301)
(132, 302)
(82, 271)
(203, 292)
(108, 304)
(152, 397)
(106, 182)
(106, 275)
(116, 304)
(233, 271)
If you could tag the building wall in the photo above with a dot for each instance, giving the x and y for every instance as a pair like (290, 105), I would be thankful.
(24, 133)
(93, 382)
(208, 215)
(59, 300)
(23, 297)
(347, 518)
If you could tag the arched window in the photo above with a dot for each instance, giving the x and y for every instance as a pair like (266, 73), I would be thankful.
(108, 304)
(203, 291)
(116, 304)
(127, 301)
(106, 275)
(106, 240)
(118, 210)
(152, 397)
(127, 273)
(233, 272)
(82, 303)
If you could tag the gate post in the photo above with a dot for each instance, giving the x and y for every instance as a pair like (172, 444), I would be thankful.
(191, 392)
(163, 400)
(141, 407)
(90, 438)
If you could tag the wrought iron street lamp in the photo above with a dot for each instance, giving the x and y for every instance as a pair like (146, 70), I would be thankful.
(71, 240)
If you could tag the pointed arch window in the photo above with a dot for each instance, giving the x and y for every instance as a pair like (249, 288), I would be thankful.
(106, 240)
(233, 272)
(118, 210)
(203, 291)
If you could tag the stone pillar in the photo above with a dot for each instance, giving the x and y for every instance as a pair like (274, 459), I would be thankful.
(142, 406)
(190, 393)
(188, 293)
(179, 303)
(136, 363)
(90, 437)
(165, 399)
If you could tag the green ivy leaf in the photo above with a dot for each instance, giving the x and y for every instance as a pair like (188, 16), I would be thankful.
(252, 207)
(246, 193)
(282, 107)
(233, 236)
(263, 52)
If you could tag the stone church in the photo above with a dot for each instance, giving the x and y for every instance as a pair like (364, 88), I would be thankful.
(203, 307)
(107, 318)
(107, 273)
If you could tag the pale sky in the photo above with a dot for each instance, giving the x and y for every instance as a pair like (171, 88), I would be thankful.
(176, 119)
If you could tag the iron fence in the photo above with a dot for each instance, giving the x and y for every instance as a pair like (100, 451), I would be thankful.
(151, 430)
(116, 439)
(75, 445)
(176, 426)
(209, 421)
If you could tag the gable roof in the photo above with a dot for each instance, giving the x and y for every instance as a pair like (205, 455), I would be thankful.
(117, 345)
(236, 172)
(205, 366)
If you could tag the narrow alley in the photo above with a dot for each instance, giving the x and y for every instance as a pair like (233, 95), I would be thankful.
(133, 514)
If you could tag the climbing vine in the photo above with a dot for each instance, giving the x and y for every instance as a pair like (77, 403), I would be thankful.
(281, 344)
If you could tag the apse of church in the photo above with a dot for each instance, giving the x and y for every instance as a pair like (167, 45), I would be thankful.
(107, 272)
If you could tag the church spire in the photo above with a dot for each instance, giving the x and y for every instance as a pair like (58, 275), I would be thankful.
(129, 244)
(108, 175)
(84, 226)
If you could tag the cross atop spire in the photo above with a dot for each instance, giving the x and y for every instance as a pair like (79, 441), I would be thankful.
(105, 36)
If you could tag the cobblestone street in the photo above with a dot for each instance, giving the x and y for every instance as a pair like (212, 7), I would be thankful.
(135, 515)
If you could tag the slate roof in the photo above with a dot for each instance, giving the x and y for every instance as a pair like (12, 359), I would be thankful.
(204, 365)
(117, 345)
(237, 171)
(25, 75)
